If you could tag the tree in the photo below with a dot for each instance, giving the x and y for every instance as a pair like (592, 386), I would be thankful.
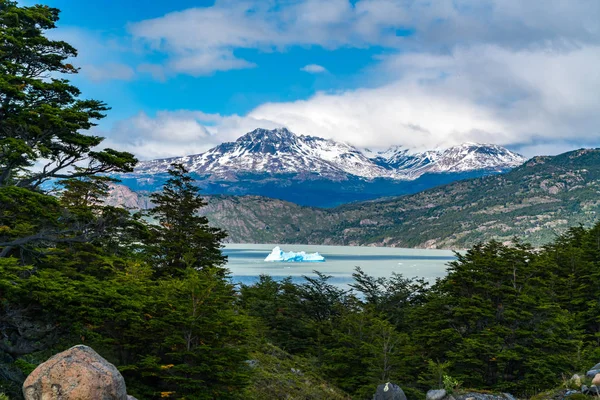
(194, 337)
(183, 239)
(41, 115)
(495, 318)
(392, 297)
(573, 258)
(193, 342)
(73, 269)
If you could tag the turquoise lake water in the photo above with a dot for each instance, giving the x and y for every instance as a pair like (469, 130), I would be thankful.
(246, 262)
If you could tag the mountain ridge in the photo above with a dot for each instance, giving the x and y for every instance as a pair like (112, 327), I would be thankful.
(280, 151)
(312, 171)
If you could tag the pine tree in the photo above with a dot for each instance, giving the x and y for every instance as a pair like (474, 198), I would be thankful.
(183, 238)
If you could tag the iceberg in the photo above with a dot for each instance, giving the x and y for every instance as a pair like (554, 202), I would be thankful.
(279, 255)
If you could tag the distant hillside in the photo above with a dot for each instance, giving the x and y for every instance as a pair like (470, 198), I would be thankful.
(535, 201)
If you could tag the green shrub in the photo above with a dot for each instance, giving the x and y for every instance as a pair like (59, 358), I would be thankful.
(577, 396)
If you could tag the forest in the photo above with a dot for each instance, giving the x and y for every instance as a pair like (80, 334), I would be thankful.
(156, 299)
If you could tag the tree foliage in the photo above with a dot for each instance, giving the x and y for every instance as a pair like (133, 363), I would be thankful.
(41, 115)
(182, 239)
(154, 300)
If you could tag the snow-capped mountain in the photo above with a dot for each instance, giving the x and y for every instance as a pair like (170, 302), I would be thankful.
(280, 151)
(277, 151)
(462, 158)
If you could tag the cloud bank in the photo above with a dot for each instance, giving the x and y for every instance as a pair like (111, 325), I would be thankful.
(515, 73)
(204, 39)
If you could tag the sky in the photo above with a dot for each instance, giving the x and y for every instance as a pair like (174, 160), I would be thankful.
(182, 76)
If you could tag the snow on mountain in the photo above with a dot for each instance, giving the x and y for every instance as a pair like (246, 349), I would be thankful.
(276, 151)
(280, 151)
(462, 158)
(470, 156)
(407, 164)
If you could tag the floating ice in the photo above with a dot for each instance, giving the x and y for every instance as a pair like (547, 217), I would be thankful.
(279, 255)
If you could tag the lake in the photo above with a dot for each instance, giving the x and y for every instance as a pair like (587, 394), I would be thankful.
(246, 262)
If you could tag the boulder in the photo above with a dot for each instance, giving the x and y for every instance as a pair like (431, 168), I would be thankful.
(75, 374)
(438, 394)
(592, 390)
(596, 380)
(593, 371)
(389, 391)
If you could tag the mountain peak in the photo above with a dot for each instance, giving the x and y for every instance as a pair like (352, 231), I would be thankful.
(267, 141)
(267, 134)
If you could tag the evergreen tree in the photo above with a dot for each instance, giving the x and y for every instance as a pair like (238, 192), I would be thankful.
(496, 319)
(195, 340)
(41, 115)
(183, 239)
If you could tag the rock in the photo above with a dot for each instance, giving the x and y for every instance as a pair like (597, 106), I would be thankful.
(438, 394)
(594, 390)
(484, 396)
(75, 374)
(131, 397)
(509, 396)
(596, 380)
(389, 391)
(575, 380)
(593, 371)
(584, 389)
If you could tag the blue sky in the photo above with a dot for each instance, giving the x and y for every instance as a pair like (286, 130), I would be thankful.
(183, 76)
(276, 76)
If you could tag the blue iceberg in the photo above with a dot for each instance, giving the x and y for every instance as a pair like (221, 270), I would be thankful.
(279, 255)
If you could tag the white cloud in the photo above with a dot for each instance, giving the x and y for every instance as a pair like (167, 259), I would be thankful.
(481, 94)
(206, 63)
(552, 148)
(517, 73)
(155, 70)
(100, 56)
(313, 69)
(192, 37)
(176, 133)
